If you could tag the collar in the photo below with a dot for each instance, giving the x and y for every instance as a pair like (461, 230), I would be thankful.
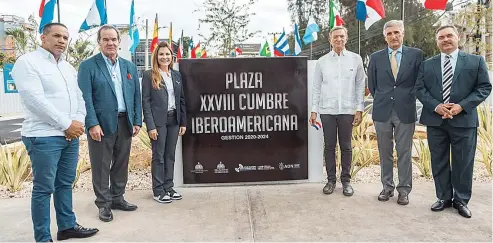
(46, 54)
(399, 50)
(334, 54)
(453, 54)
(108, 61)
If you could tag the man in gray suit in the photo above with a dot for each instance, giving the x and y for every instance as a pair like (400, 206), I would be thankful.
(111, 91)
(392, 75)
(451, 85)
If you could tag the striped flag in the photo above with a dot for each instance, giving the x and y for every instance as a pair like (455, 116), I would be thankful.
(311, 31)
(46, 12)
(281, 47)
(133, 32)
(97, 16)
(179, 54)
(155, 39)
(297, 41)
(335, 18)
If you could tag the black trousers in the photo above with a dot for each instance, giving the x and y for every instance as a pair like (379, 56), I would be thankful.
(453, 179)
(338, 127)
(163, 156)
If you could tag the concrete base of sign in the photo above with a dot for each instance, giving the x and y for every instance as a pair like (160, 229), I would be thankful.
(315, 151)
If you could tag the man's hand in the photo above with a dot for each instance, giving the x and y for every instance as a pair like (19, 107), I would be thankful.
(136, 131)
(75, 130)
(455, 109)
(358, 117)
(182, 131)
(96, 133)
(153, 134)
(443, 110)
(313, 118)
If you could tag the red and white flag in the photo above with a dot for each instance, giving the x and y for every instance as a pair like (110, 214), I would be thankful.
(435, 4)
(179, 55)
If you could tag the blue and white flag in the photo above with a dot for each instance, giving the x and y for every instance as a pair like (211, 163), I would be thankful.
(311, 31)
(281, 47)
(133, 32)
(96, 16)
(297, 41)
(46, 12)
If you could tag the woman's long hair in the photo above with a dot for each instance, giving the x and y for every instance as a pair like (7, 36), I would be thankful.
(156, 76)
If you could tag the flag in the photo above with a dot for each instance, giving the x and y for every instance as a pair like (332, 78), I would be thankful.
(96, 16)
(335, 18)
(133, 31)
(311, 31)
(196, 52)
(297, 41)
(369, 11)
(190, 47)
(155, 39)
(281, 47)
(203, 53)
(179, 54)
(265, 52)
(275, 38)
(170, 35)
(238, 51)
(46, 12)
(435, 4)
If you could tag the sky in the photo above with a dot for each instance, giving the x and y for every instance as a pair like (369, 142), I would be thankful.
(271, 15)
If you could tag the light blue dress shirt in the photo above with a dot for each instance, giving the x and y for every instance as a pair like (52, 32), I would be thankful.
(398, 56)
(116, 77)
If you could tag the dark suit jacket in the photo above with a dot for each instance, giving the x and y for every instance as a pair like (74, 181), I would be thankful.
(389, 93)
(155, 102)
(99, 94)
(470, 86)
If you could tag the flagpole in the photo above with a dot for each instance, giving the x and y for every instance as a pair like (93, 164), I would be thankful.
(146, 63)
(58, 9)
(311, 47)
(359, 37)
(402, 10)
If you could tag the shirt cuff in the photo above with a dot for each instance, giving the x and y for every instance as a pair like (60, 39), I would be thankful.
(436, 108)
(65, 123)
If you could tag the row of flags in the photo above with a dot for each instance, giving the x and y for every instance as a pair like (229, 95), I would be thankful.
(368, 11)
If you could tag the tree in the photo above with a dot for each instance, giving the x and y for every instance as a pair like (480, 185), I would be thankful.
(473, 21)
(228, 23)
(4, 59)
(79, 51)
(26, 38)
(186, 45)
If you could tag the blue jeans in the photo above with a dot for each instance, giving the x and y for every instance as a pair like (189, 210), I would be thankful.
(54, 163)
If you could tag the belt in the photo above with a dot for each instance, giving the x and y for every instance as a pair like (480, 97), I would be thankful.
(120, 114)
(171, 112)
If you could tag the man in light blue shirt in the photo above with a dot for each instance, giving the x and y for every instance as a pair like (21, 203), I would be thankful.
(53, 121)
(111, 91)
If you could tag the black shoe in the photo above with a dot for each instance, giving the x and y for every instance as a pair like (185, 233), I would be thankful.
(174, 195)
(347, 189)
(105, 214)
(76, 232)
(440, 205)
(329, 188)
(403, 199)
(462, 209)
(385, 195)
(124, 206)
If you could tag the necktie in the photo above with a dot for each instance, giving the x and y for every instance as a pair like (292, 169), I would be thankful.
(447, 79)
(393, 64)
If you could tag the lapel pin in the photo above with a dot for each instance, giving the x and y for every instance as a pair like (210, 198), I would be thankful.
(129, 76)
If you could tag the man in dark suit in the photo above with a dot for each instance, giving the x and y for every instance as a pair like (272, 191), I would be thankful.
(392, 75)
(111, 91)
(451, 85)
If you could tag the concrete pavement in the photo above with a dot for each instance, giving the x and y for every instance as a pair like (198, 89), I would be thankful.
(297, 212)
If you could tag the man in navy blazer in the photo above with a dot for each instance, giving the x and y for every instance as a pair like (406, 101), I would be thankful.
(392, 75)
(450, 86)
(111, 91)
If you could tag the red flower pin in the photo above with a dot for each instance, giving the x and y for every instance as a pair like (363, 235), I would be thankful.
(129, 76)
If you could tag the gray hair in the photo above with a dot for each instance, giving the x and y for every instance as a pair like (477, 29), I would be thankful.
(337, 28)
(108, 27)
(392, 23)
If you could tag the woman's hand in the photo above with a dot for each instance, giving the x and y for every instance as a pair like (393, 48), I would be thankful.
(182, 131)
(153, 134)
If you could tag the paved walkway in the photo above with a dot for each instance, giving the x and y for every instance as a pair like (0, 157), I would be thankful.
(298, 212)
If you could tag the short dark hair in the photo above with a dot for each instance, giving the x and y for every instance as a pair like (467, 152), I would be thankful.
(108, 27)
(47, 27)
(446, 27)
